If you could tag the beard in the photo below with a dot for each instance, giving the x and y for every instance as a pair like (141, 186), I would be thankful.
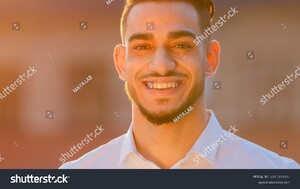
(163, 117)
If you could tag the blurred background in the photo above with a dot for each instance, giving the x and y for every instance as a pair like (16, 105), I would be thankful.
(68, 40)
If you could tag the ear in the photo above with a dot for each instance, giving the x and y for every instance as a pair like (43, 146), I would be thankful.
(212, 58)
(119, 58)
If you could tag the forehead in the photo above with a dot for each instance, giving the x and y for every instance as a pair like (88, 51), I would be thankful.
(162, 18)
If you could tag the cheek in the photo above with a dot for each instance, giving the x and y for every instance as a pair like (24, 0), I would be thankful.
(133, 67)
(193, 66)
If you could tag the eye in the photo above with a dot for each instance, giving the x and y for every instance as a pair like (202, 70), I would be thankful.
(183, 46)
(141, 47)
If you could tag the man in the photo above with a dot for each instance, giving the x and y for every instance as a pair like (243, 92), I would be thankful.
(164, 72)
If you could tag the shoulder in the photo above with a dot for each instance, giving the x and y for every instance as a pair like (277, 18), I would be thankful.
(103, 157)
(245, 154)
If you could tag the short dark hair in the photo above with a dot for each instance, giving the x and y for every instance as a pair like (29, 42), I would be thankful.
(205, 9)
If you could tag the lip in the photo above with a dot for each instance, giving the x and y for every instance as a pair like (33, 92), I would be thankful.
(163, 87)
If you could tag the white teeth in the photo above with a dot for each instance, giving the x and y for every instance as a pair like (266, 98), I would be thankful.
(150, 85)
(162, 85)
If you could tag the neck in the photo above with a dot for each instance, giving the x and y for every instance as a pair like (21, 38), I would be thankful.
(168, 143)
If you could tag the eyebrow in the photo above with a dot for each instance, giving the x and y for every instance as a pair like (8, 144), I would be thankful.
(141, 36)
(171, 35)
(179, 34)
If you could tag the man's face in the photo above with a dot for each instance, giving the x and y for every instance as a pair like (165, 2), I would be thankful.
(164, 70)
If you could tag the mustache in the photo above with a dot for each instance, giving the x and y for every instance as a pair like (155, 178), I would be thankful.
(168, 74)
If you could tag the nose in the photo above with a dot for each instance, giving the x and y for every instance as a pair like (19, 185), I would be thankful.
(162, 63)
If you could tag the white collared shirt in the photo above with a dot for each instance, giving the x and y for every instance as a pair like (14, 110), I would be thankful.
(214, 149)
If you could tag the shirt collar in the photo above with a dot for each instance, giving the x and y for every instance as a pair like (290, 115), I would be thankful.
(128, 145)
(210, 135)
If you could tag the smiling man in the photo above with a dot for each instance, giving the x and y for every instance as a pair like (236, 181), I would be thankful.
(164, 73)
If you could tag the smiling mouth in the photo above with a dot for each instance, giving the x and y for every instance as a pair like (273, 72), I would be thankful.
(162, 86)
